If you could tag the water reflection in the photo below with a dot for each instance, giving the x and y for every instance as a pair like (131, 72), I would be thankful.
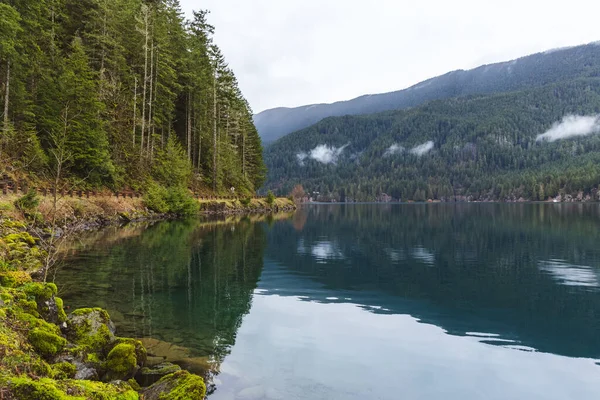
(521, 272)
(188, 284)
(313, 286)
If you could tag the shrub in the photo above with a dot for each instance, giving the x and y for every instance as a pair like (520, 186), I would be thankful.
(270, 198)
(180, 202)
(28, 202)
(246, 202)
(155, 197)
(176, 200)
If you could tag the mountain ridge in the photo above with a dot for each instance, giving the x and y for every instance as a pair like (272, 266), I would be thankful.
(532, 70)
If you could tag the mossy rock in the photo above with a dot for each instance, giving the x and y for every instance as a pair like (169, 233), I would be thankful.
(52, 310)
(121, 362)
(13, 279)
(46, 342)
(28, 389)
(25, 388)
(91, 328)
(140, 351)
(21, 237)
(148, 376)
(177, 386)
(40, 291)
(63, 370)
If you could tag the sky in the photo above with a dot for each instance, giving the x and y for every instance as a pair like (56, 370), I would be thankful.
(288, 53)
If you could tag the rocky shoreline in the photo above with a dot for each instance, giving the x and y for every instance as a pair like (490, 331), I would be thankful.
(48, 354)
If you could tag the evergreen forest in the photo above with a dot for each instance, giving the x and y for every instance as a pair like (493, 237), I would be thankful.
(122, 94)
(478, 147)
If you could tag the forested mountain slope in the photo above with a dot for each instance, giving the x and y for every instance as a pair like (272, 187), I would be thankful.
(531, 71)
(121, 93)
(529, 144)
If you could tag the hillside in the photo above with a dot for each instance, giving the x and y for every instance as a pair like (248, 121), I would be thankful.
(531, 71)
(486, 147)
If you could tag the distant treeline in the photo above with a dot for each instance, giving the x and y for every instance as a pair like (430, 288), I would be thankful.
(485, 147)
(122, 93)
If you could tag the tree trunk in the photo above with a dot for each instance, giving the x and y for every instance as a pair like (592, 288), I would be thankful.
(150, 122)
(215, 132)
(155, 96)
(189, 126)
(134, 109)
(244, 154)
(6, 99)
(146, 35)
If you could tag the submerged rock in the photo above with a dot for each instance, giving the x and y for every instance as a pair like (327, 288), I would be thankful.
(176, 386)
(148, 376)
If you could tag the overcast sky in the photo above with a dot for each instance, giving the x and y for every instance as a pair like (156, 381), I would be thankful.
(295, 52)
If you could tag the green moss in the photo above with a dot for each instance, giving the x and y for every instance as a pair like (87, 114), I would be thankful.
(179, 386)
(93, 358)
(26, 388)
(29, 306)
(63, 370)
(21, 237)
(140, 350)
(46, 342)
(134, 385)
(89, 327)
(121, 361)
(44, 389)
(40, 291)
(62, 316)
(14, 279)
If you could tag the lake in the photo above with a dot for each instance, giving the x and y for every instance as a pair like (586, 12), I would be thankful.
(402, 301)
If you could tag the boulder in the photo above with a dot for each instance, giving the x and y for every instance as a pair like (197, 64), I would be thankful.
(178, 385)
(121, 363)
(90, 328)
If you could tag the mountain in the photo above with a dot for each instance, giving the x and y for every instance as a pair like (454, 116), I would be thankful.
(530, 71)
(534, 143)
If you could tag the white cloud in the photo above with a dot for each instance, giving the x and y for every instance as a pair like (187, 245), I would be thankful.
(322, 153)
(572, 126)
(423, 148)
(301, 157)
(300, 52)
(393, 149)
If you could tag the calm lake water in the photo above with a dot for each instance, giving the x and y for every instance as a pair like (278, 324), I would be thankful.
(465, 301)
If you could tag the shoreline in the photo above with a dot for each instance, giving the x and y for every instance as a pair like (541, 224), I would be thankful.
(49, 354)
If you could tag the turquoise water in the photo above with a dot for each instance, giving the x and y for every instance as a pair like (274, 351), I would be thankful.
(466, 301)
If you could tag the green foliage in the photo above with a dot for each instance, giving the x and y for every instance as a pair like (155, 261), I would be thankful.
(171, 166)
(246, 201)
(174, 200)
(28, 202)
(484, 148)
(155, 198)
(119, 92)
(270, 197)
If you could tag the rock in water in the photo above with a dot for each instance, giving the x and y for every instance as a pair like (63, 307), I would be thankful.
(178, 385)
(149, 376)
